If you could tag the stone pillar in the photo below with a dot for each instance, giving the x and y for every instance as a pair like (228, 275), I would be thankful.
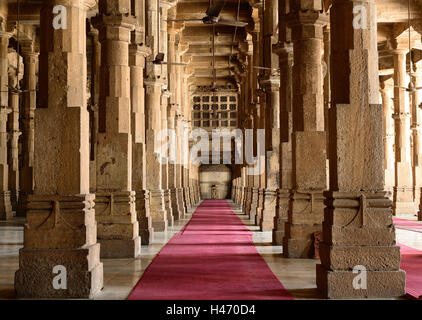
(137, 54)
(165, 95)
(416, 134)
(186, 189)
(196, 184)
(358, 231)
(306, 209)
(118, 228)
(154, 82)
(13, 128)
(271, 83)
(171, 122)
(387, 88)
(242, 188)
(327, 85)
(285, 51)
(191, 185)
(26, 177)
(255, 108)
(94, 103)
(403, 190)
(234, 189)
(248, 118)
(260, 178)
(174, 87)
(273, 157)
(164, 48)
(254, 179)
(61, 228)
(154, 167)
(179, 166)
(5, 204)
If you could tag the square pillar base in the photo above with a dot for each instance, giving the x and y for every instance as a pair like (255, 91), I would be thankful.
(180, 202)
(84, 272)
(120, 248)
(260, 207)
(359, 235)
(175, 205)
(269, 211)
(146, 231)
(306, 213)
(247, 201)
(118, 227)
(158, 210)
(60, 231)
(281, 216)
(5, 206)
(403, 201)
(254, 204)
(187, 198)
(380, 284)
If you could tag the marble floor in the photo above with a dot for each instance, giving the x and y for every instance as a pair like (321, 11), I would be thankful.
(121, 275)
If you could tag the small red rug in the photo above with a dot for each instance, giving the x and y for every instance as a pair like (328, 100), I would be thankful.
(411, 262)
(212, 258)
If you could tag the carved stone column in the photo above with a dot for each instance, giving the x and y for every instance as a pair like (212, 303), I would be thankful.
(254, 179)
(271, 83)
(261, 177)
(173, 115)
(186, 188)
(153, 86)
(327, 79)
(165, 95)
(171, 122)
(358, 231)
(61, 229)
(387, 89)
(242, 188)
(285, 51)
(94, 102)
(26, 177)
(192, 185)
(248, 124)
(273, 157)
(5, 204)
(416, 134)
(13, 128)
(255, 108)
(137, 54)
(179, 166)
(403, 190)
(118, 228)
(306, 209)
(154, 167)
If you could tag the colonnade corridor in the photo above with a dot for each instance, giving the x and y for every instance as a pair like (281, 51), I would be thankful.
(240, 150)
(224, 256)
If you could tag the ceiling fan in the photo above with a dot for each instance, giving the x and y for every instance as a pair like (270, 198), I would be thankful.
(411, 87)
(212, 16)
(159, 58)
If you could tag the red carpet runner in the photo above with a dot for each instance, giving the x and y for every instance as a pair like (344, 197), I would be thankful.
(411, 262)
(409, 225)
(212, 258)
